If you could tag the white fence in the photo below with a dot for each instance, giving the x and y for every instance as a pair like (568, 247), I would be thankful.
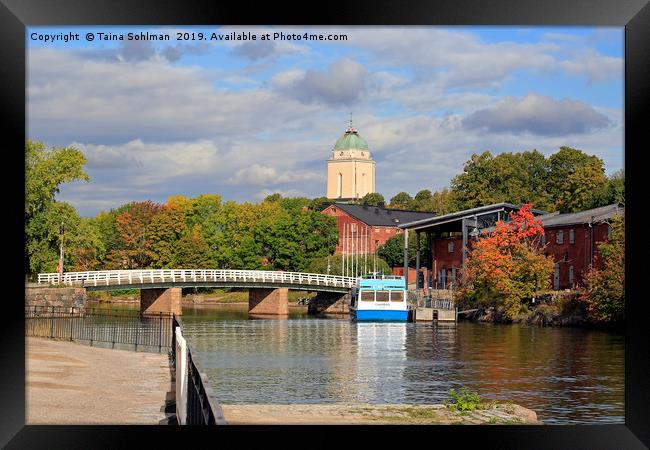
(150, 276)
(181, 377)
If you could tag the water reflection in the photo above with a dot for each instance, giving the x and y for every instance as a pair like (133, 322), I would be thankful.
(566, 375)
(380, 361)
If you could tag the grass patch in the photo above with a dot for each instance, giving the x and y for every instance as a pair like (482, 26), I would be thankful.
(421, 413)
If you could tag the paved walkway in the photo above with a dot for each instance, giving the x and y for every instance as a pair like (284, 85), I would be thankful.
(68, 383)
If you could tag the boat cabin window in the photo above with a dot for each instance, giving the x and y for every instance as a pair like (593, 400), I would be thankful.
(396, 296)
(382, 296)
(367, 296)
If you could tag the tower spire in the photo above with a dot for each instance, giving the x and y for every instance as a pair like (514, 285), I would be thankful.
(351, 129)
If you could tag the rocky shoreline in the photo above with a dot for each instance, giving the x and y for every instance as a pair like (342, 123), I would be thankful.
(557, 309)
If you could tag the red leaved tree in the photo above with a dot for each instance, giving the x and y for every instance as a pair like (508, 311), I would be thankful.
(507, 265)
(134, 241)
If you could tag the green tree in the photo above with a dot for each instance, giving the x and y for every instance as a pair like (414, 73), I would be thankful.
(604, 291)
(372, 199)
(108, 234)
(295, 205)
(86, 250)
(508, 177)
(192, 250)
(273, 197)
(613, 191)
(422, 199)
(441, 202)
(292, 241)
(581, 188)
(568, 168)
(335, 263)
(164, 232)
(319, 203)
(45, 171)
(393, 251)
(43, 236)
(230, 231)
(401, 200)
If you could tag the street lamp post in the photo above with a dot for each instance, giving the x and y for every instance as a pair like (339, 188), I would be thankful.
(60, 268)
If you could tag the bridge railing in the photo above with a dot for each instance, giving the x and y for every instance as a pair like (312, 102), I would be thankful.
(129, 277)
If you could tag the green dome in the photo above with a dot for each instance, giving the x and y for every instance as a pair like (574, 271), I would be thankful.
(351, 141)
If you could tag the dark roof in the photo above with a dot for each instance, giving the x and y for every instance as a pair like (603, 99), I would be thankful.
(459, 215)
(381, 217)
(590, 215)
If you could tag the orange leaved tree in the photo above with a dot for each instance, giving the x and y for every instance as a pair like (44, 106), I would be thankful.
(507, 265)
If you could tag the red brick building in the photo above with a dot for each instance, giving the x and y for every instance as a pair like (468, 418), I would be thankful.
(362, 229)
(571, 239)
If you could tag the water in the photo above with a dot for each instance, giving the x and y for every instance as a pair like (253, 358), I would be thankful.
(566, 375)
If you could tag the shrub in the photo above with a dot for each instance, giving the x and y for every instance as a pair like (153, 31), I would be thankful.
(604, 291)
(464, 401)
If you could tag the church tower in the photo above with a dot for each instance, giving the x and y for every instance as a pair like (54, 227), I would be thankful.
(350, 170)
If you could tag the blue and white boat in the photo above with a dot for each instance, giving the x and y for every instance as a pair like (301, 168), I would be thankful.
(379, 298)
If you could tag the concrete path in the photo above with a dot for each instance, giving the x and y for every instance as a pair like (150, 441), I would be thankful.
(68, 383)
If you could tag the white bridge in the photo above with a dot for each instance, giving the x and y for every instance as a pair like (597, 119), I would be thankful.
(166, 278)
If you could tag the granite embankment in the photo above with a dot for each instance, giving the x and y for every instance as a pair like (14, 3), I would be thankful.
(302, 414)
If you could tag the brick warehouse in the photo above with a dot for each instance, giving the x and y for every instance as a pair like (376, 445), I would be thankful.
(571, 239)
(371, 225)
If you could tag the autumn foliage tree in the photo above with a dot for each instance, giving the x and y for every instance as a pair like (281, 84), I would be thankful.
(507, 266)
(134, 241)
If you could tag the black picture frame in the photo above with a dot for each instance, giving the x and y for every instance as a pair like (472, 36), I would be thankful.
(634, 15)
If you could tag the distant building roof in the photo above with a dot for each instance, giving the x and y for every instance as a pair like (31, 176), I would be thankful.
(459, 215)
(381, 217)
(590, 215)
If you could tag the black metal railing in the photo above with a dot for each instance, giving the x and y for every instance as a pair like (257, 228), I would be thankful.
(202, 405)
(146, 332)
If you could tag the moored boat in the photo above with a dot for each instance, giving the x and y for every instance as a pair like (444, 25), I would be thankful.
(380, 298)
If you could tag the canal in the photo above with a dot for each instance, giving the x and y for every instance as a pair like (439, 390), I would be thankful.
(566, 375)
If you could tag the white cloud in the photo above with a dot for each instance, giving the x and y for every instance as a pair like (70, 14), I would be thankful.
(539, 115)
(342, 83)
(261, 175)
(72, 98)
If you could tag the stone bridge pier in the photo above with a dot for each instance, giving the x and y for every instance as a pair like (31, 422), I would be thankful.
(268, 302)
(161, 300)
(329, 303)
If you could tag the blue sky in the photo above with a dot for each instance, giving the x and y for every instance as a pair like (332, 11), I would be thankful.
(244, 119)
